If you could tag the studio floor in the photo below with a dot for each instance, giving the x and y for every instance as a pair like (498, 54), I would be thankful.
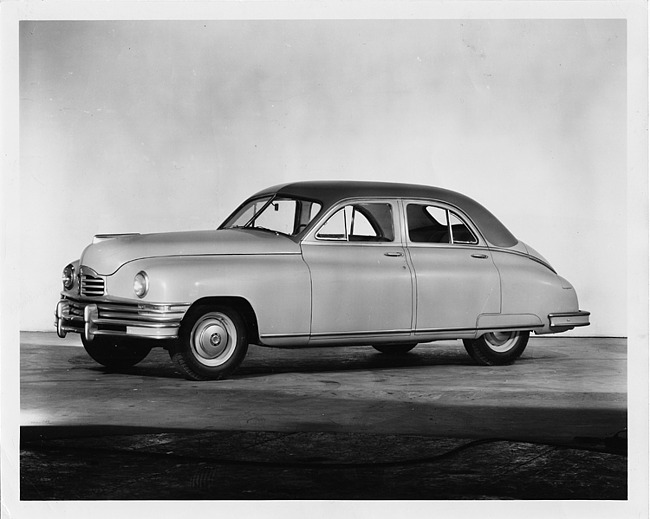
(330, 423)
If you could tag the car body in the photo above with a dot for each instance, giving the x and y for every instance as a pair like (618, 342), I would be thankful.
(317, 263)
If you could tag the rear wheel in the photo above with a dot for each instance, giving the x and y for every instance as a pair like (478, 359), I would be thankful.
(497, 348)
(116, 352)
(211, 344)
(394, 349)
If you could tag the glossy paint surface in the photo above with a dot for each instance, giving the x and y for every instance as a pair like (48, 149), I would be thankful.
(308, 290)
(357, 288)
(108, 255)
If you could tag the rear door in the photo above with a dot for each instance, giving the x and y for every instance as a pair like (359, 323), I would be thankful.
(456, 279)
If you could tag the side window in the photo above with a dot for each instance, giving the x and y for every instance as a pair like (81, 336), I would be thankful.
(427, 224)
(460, 232)
(334, 228)
(363, 222)
(431, 224)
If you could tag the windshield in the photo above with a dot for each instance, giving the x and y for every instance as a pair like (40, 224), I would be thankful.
(277, 214)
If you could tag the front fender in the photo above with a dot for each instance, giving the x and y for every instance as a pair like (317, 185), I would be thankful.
(277, 286)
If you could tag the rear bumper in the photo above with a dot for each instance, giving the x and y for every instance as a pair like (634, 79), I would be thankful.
(118, 318)
(567, 320)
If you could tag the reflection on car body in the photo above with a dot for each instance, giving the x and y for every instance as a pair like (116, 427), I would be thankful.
(317, 263)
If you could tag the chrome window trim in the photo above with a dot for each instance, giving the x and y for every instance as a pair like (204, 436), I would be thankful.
(451, 230)
(312, 239)
(480, 240)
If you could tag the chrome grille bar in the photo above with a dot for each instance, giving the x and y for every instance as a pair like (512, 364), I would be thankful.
(91, 286)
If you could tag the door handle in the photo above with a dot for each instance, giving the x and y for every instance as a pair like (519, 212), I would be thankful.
(394, 254)
(479, 256)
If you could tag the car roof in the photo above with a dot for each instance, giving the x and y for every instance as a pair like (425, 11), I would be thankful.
(329, 192)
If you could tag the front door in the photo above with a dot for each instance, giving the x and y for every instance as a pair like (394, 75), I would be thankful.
(361, 281)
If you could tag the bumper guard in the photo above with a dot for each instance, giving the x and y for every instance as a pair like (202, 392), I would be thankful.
(118, 319)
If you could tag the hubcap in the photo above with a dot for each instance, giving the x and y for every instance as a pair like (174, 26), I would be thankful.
(213, 339)
(501, 342)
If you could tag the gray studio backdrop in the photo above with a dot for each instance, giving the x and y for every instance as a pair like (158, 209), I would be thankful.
(152, 126)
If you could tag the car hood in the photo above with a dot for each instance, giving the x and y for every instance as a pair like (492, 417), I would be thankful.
(109, 252)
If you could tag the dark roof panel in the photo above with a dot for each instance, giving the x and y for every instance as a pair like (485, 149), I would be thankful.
(330, 192)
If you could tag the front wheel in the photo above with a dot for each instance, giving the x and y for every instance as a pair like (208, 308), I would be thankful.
(211, 343)
(497, 348)
(116, 352)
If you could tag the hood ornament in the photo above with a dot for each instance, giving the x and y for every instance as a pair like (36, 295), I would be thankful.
(103, 237)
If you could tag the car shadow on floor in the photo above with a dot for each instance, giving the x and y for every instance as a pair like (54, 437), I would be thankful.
(271, 361)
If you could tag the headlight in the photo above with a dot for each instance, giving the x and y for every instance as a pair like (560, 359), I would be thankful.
(141, 284)
(68, 277)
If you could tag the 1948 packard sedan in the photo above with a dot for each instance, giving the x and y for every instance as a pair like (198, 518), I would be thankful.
(311, 264)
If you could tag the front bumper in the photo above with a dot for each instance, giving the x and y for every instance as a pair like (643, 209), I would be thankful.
(568, 320)
(118, 318)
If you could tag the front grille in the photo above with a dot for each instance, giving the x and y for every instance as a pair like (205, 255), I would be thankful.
(91, 286)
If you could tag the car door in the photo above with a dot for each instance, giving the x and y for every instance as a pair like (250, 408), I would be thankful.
(456, 279)
(361, 281)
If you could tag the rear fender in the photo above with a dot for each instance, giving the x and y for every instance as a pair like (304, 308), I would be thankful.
(530, 287)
